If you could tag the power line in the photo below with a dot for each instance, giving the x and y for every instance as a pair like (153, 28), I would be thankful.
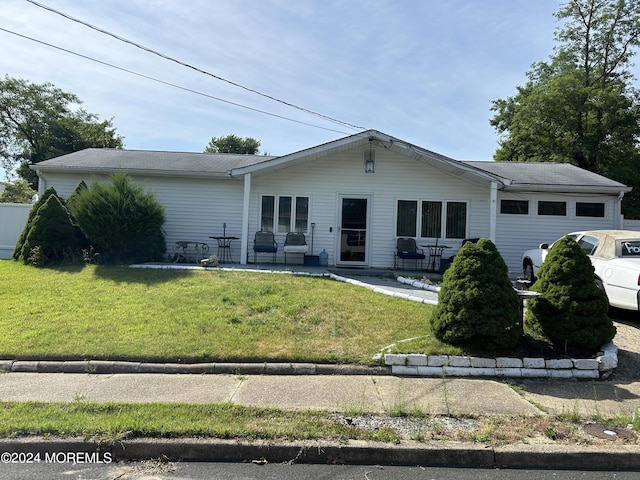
(86, 57)
(179, 62)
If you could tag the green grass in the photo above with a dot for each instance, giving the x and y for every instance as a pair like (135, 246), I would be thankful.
(111, 422)
(94, 312)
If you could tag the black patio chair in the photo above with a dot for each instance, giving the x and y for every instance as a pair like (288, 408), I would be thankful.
(264, 242)
(406, 249)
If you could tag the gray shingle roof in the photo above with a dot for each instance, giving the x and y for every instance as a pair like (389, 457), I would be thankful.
(531, 174)
(516, 175)
(140, 161)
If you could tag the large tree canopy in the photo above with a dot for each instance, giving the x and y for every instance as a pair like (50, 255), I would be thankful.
(233, 144)
(580, 107)
(39, 122)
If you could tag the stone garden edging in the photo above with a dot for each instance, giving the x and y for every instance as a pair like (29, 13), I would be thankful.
(421, 365)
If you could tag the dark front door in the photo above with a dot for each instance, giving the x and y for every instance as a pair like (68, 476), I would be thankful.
(354, 215)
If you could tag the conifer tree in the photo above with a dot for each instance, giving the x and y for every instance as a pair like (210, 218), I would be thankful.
(571, 310)
(478, 307)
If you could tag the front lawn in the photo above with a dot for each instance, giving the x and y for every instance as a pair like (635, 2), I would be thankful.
(92, 312)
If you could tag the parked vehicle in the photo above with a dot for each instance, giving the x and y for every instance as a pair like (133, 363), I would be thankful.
(615, 256)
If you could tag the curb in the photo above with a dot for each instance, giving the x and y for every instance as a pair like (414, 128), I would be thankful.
(115, 367)
(448, 454)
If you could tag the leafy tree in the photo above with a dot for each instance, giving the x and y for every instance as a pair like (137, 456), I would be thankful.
(51, 234)
(121, 220)
(17, 192)
(580, 106)
(233, 144)
(571, 310)
(39, 122)
(477, 305)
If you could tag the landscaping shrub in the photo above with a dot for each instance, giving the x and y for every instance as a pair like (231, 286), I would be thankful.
(571, 310)
(477, 306)
(17, 251)
(51, 235)
(121, 220)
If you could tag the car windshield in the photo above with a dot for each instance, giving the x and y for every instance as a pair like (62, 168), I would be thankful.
(630, 248)
(588, 244)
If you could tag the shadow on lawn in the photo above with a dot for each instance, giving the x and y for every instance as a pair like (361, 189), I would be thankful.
(125, 274)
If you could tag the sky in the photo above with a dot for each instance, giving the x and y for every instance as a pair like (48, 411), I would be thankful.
(424, 71)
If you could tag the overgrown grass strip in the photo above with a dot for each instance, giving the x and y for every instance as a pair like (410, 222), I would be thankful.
(117, 421)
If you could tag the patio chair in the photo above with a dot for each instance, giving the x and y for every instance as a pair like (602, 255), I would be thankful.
(264, 242)
(406, 249)
(295, 243)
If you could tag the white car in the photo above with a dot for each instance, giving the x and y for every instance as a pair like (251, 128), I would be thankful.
(615, 256)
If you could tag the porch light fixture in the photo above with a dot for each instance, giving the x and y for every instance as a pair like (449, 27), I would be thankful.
(370, 159)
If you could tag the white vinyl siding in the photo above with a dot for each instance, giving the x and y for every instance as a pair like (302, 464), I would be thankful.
(343, 174)
(517, 233)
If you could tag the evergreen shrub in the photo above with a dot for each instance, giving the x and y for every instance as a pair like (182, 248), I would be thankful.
(17, 251)
(571, 310)
(121, 220)
(477, 305)
(51, 234)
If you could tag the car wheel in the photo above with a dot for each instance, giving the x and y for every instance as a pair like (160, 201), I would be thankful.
(528, 272)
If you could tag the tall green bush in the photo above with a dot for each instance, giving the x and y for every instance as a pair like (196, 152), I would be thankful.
(477, 305)
(17, 251)
(51, 235)
(571, 310)
(121, 220)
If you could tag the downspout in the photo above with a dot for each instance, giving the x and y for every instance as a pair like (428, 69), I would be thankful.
(42, 183)
(493, 211)
(617, 212)
(244, 242)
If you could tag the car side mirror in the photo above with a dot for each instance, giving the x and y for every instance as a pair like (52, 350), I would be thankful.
(544, 246)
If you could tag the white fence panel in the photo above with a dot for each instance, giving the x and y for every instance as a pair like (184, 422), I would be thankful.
(13, 217)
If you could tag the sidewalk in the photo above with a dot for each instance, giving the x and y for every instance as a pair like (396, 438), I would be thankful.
(460, 398)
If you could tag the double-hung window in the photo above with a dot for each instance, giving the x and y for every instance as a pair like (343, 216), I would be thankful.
(284, 213)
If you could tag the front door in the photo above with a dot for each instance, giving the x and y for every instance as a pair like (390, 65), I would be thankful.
(354, 216)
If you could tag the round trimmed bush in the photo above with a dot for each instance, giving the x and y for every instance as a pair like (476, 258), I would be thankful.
(571, 310)
(477, 305)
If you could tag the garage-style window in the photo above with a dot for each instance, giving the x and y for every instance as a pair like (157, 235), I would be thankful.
(292, 213)
(586, 209)
(552, 208)
(514, 207)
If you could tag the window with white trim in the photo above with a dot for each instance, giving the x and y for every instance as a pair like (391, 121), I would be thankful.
(284, 213)
(431, 218)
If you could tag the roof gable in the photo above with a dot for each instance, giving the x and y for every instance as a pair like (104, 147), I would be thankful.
(509, 176)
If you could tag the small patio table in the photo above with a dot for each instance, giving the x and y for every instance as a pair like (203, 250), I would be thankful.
(435, 256)
(224, 248)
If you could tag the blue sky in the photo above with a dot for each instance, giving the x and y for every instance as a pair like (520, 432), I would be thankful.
(424, 71)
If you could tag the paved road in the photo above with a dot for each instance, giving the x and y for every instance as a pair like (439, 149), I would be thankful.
(154, 470)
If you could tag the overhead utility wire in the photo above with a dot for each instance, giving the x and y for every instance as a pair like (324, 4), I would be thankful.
(167, 57)
(168, 83)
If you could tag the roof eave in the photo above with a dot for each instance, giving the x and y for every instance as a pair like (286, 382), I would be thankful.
(132, 171)
(594, 189)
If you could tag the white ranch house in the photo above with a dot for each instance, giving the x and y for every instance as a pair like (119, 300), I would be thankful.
(354, 197)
